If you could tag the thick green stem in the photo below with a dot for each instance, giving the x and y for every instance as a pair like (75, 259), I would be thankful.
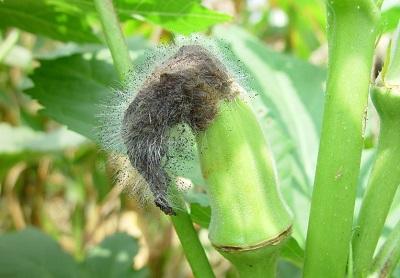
(114, 37)
(383, 184)
(191, 245)
(388, 256)
(249, 221)
(351, 36)
(258, 263)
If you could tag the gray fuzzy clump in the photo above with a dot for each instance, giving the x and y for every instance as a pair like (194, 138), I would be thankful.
(185, 89)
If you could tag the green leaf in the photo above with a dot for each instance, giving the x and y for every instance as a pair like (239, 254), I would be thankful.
(180, 16)
(57, 19)
(113, 258)
(30, 253)
(389, 19)
(70, 20)
(71, 90)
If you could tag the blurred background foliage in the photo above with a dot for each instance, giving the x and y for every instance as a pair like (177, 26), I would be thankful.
(62, 214)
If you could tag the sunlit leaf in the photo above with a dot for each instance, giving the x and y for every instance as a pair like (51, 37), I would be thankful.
(56, 19)
(180, 16)
(389, 19)
(71, 89)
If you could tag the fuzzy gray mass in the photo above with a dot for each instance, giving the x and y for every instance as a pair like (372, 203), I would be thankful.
(184, 89)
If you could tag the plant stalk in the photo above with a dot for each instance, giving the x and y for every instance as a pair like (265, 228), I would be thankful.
(191, 245)
(351, 38)
(114, 37)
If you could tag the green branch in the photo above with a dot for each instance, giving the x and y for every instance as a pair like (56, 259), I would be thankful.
(194, 251)
(351, 37)
(114, 37)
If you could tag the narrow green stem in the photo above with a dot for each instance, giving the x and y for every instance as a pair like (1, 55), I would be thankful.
(114, 37)
(351, 37)
(383, 183)
(388, 256)
(191, 245)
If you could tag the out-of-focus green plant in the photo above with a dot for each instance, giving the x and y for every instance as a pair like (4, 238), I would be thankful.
(247, 220)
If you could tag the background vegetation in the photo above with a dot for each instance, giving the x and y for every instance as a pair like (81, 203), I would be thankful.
(59, 204)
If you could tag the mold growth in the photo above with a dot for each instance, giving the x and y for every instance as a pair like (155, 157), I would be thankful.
(174, 89)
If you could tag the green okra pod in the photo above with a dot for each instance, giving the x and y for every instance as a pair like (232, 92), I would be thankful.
(249, 220)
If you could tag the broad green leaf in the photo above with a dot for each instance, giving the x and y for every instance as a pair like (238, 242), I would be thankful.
(289, 105)
(389, 19)
(30, 253)
(180, 16)
(113, 257)
(57, 19)
(71, 90)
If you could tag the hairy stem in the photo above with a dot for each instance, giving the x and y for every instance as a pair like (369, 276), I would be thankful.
(351, 37)
(114, 37)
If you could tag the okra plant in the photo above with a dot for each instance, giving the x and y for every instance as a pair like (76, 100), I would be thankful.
(250, 221)
(194, 91)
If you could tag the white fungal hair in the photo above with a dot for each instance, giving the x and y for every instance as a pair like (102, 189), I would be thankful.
(174, 88)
